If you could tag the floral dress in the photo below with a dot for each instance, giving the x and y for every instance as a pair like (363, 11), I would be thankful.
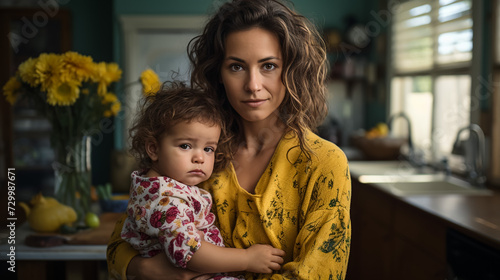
(164, 214)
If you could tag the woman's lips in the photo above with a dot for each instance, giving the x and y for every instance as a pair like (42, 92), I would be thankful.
(255, 102)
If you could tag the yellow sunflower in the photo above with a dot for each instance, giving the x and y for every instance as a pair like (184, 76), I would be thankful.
(115, 108)
(113, 72)
(105, 74)
(48, 70)
(150, 82)
(11, 90)
(110, 98)
(28, 73)
(76, 67)
(65, 94)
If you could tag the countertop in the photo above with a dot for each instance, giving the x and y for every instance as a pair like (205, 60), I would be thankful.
(63, 252)
(475, 215)
(87, 245)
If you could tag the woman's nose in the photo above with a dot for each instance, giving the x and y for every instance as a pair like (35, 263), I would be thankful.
(254, 82)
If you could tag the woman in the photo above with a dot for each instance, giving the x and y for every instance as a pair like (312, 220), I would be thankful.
(285, 186)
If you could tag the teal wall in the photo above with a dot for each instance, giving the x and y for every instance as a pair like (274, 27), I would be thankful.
(92, 28)
(328, 13)
(93, 35)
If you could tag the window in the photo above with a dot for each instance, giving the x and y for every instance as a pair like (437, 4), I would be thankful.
(431, 35)
(431, 71)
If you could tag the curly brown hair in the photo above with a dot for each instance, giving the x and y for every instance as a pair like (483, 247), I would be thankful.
(173, 103)
(304, 56)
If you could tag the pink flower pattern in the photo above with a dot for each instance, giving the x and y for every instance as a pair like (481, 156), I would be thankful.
(154, 188)
(156, 219)
(173, 227)
(196, 206)
(171, 214)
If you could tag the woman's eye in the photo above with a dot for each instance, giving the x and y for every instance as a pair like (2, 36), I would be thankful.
(269, 66)
(235, 67)
(184, 146)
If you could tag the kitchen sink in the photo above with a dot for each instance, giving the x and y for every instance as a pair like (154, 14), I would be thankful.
(402, 179)
(436, 185)
(394, 178)
(398, 168)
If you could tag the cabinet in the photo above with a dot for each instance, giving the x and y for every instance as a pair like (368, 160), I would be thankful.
(470, 259)
(25, 134)
(419, 250)
(371, 215)
(393, 240)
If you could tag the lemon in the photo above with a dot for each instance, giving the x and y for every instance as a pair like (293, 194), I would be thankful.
(91, 220)
(383, 129)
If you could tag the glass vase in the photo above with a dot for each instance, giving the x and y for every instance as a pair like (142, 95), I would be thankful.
(72, 170)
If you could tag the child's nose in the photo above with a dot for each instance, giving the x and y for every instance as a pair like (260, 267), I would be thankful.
(198, 157)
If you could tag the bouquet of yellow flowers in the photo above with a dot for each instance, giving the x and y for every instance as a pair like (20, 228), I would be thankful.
(72, 92)
(69, 83)
(150, 82)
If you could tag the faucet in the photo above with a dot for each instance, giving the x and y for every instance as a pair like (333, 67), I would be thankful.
(412, 155)
(476, 173)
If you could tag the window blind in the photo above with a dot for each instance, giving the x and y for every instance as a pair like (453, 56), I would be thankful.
(429, 34)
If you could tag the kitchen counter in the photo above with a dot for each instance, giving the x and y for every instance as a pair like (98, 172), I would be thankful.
(475, 215)
(405, 235)
(82, 256)
(56, 253)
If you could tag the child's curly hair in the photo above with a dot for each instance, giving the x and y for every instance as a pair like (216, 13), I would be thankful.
(173, 103)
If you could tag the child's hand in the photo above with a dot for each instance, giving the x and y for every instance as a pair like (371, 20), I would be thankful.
(264, 258)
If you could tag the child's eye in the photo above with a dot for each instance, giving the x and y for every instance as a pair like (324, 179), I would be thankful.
(209, 149)
(235, 67)
(184, 146)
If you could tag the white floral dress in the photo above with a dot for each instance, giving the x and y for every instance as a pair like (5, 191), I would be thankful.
(164, 214)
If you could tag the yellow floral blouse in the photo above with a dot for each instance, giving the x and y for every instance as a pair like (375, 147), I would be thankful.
(300, 206)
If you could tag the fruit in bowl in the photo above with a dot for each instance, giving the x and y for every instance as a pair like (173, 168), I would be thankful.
(379, 130)
(376, 144)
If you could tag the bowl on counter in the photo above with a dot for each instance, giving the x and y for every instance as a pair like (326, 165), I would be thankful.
(379, 148)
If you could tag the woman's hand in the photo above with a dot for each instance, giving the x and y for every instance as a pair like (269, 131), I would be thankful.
(159, 267)
(263, 258)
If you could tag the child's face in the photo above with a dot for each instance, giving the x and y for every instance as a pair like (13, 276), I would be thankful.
(186, 152)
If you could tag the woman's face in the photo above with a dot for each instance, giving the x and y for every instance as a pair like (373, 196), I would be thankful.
(251, 74)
